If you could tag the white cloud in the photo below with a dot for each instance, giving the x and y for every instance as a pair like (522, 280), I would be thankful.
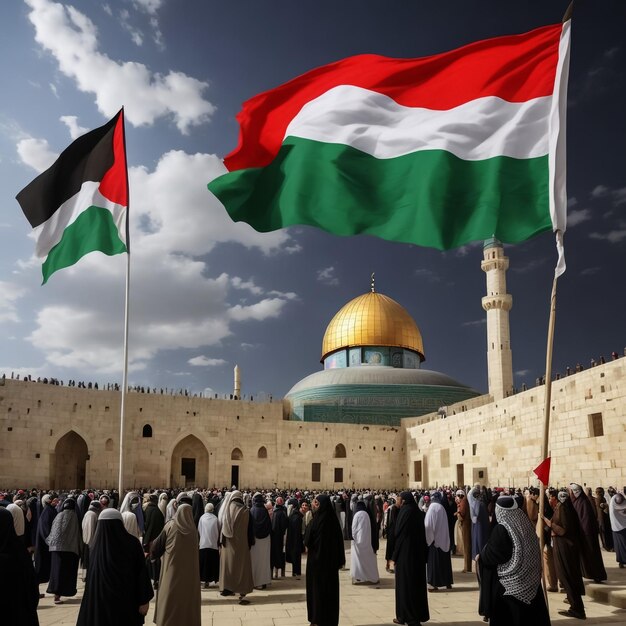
(53, 89)
(589, 271)
(613, 236)
(203, 361)
(36, 153)
(427, 274)
(599, 191)
(266, 308)
(522, 372)
(9, 294)
(174, 302)
(578, 217)
(238, 283)
(135, 33)
(327, 276)
(72, 38)
(480, 322)
(149, 6)
(463, 251)
(76, 130)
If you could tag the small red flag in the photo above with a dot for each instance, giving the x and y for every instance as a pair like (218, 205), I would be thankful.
(543, 471)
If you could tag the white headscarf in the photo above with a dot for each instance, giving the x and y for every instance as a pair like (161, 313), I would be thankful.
(231, 512)
(617, 512)
(18, 518)
(130, 523)
(436, 525)
(163, 503)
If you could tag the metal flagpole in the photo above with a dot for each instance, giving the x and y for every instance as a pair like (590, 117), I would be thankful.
(126, 320)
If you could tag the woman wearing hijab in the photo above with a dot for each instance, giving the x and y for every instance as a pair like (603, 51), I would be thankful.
(19, 521)
(17, 577)
(129, 520)
(591, 563)
(132, 504)
(118, 589)
(260, 551)
(209, 531)
(237, 538)
(279, 528)
(510, 569)
(480, 519)
(178, 596)
(154, 521)
(391, 515)
(88, 528)
(465, 530)
(604, 520)
(409, 558)
(294, 545)
(44, 526)
(363, 566)
(326, 557)
(617, 512)
(439, 567)
(197, 506)
(566, 541)
(163, 499)
(65, 542)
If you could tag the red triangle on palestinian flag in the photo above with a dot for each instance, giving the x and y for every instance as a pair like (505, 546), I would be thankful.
(543, 471)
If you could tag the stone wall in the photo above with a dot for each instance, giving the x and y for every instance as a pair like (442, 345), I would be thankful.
(499, 443)
(35, 449)
(496, 443)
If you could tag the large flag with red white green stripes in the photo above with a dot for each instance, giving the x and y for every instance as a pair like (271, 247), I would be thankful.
(79, 205)
(436, 151)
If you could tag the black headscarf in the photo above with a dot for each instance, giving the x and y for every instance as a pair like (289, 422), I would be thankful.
(197, 506)
(117, 579)
(325, 540)
(261, 521)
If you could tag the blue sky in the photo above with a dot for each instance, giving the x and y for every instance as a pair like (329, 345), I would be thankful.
(208, 294)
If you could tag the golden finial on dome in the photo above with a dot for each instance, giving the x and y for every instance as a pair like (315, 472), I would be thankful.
(372, 286)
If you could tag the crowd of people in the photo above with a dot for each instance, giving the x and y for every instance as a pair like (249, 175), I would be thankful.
(171, 544)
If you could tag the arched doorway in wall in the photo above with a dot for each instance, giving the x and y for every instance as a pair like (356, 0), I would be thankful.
(190, 463)
(70, 462)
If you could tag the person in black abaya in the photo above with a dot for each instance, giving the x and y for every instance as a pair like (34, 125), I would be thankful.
(44, 526)
(118, 589)
(391, 515)
(279, 528)
(510, 570)
(65, 542)
(17, 577)
(294, 545)
(197, 507)
(410, 556)
(566, 541)
(591, 563)
(326, 556)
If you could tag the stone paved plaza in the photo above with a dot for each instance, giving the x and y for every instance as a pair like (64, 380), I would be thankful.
(284, 603)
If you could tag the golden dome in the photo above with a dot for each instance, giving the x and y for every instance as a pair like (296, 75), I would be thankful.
(372, 319)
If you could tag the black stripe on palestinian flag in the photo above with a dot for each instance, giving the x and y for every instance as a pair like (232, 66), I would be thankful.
(89, 158)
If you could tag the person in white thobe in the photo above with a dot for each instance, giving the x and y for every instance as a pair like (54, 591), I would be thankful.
(363, 565)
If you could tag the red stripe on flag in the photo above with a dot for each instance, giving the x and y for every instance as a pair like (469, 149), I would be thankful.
(516, 68)
(113, 185)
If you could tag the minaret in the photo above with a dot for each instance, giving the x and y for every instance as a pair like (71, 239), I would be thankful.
(237, 390)
(497, 303)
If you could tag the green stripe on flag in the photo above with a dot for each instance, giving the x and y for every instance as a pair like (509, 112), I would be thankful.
(428, 198)
(93, 230)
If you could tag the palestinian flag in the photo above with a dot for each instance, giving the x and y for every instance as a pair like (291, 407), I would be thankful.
(79, 205)
(436, 151)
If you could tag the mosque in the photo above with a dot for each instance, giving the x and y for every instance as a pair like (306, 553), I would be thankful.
(372, 417)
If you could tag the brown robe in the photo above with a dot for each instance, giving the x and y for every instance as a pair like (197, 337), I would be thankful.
(178, 597)
(235, 563)
(565, 544)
